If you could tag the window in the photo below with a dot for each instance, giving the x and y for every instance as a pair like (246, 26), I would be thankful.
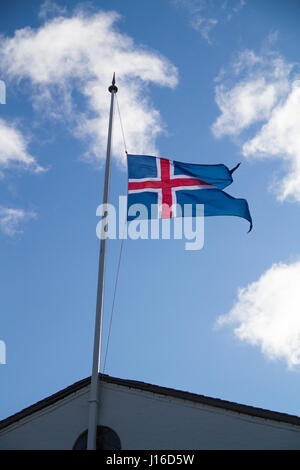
(107, 439)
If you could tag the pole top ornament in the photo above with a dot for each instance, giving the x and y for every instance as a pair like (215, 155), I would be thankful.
(113, 87)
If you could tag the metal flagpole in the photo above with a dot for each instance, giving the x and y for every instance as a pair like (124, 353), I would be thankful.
(94, 390)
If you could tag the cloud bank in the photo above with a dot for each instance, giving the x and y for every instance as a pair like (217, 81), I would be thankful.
(261, 95)
(76, 56)
(267, 314)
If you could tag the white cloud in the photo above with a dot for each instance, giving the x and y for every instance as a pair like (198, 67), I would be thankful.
(263, 90)
(14, 153)
(244, 104)
(80, 53)
(204, 25)
(280, 137)
(50, 8)
(267, 314)
(257, 84)
(206, 14)
(13, 149)
(12, 219)
(236, 7)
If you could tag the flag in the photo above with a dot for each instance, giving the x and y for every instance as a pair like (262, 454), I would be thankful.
(167, 184)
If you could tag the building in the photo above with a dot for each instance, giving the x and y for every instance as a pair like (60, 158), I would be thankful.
(137, 415)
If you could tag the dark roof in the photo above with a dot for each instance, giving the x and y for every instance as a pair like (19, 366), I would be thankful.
(216, 402)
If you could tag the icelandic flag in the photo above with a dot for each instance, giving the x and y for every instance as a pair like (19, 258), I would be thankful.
(163, 183)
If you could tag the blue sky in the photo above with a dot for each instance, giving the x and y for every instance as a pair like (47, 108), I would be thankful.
(199, 81)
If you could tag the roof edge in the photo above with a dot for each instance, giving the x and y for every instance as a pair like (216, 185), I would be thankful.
(183, 395)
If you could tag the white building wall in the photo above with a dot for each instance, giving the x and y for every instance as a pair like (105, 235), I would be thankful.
(146, 420)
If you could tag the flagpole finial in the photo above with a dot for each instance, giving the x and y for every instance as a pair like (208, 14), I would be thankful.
(113, 86)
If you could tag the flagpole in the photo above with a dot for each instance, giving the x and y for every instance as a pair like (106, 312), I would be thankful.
(94, 390)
